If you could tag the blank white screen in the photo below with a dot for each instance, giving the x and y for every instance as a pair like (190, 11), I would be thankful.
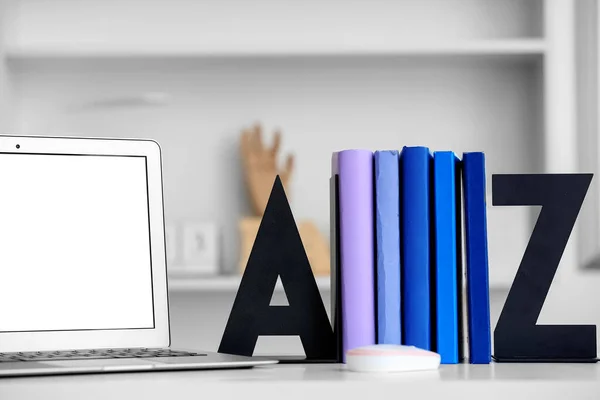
(74, 243)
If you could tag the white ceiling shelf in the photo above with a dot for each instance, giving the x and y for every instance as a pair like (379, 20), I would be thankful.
(509, 47)
(222, 283)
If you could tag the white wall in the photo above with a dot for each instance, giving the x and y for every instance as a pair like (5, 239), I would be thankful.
(5, 115)
(322, 105)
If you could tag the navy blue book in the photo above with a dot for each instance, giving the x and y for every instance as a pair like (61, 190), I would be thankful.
(416, 305)
(477, 258)
(387, 235)
(446, 207)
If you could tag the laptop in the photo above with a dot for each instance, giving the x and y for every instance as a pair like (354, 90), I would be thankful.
(83, 276)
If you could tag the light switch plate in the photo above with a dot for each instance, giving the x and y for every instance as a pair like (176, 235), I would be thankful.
(200, 248)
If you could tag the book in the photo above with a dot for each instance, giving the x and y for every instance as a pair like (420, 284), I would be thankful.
(357, 254)
(415, 216)
(335, 274)
(477, 258)
(447, 245)
(463, 310)
(387, 244)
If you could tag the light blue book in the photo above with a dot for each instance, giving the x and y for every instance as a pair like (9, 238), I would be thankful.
(387, 229)
(446, 222)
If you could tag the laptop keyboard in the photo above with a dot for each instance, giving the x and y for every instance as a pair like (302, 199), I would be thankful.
(93, 354)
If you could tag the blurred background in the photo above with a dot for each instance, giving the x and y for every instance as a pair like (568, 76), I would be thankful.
(517, 79)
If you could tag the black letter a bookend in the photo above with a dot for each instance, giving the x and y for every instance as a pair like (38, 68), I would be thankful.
(278, 252)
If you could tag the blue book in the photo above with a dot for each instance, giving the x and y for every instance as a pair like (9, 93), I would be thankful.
(478, 303)
(387, 234)
(416, 305)
(446, 207)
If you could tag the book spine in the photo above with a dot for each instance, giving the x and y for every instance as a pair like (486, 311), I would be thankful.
(477, 258)
(461, 273)
(416, 305)
(357, 248)
(387, 229)
(335, 275)
(446, 244)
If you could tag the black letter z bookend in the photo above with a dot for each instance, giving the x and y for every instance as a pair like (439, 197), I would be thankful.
(278, 252)
(517, 337)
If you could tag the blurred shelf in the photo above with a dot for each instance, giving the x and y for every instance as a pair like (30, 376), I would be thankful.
(512, 47)
(221, 283)
(231, 283)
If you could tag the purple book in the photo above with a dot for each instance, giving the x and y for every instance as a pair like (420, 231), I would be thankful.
(357, 253)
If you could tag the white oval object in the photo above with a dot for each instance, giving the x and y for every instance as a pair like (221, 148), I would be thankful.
(391, 358)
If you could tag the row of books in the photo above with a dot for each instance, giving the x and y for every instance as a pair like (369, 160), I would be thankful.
(398, 238)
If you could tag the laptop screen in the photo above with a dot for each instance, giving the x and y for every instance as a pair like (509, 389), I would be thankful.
(74, 243)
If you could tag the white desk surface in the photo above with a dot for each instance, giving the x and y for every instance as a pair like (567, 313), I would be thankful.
(310, 382)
